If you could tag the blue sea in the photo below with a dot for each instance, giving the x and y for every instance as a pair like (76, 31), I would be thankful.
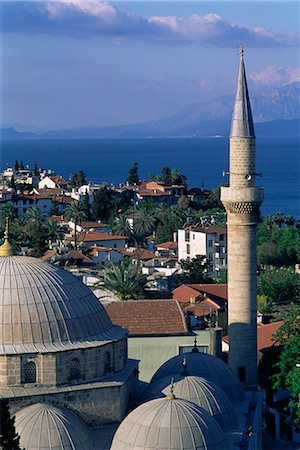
(201, 160)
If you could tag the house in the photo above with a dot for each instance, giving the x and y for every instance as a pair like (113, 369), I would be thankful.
(167, 248)
(204, 304)
(53, 182)
(89, 226)
(158, 331)
(209, 241)
(23, 202)
(197, 194)
(104, 255)
(100, 239)
(69, 258)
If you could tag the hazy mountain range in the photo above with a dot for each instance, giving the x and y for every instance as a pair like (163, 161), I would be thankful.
(276, 112)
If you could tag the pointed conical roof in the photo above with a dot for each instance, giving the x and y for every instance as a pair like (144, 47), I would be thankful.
(242, 122)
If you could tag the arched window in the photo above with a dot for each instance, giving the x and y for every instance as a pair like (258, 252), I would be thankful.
(74, 369)
(107, 362)
(30, 372)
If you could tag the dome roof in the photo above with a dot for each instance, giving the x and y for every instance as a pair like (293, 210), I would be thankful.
(203, 393)
(206, 366)
(43, 426)
(168, 423)
(45, 308)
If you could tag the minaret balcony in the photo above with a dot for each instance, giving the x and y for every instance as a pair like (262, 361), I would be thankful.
(242, 200)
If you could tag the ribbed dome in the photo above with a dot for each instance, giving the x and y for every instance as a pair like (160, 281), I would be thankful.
(206, 366)
(46, 308)
(172, 424)
(43, 426)
(203, 393)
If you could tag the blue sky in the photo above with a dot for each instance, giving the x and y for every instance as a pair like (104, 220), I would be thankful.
(88, 62)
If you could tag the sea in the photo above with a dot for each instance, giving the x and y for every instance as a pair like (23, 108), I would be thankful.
(202, 161)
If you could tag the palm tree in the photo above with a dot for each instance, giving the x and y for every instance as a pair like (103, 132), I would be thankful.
(7, 211)
(124, 279)
(54, 231)
(76, 214)
(144, 221)
(121, 226)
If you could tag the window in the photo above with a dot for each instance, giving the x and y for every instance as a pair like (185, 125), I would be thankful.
(187, 236)
(222, 237)
(74, 369)
(210, 257)
(188, 348)
(188, 248)
(210, 243)
(194, 235)
(30, 372)
(107, 363)
(242, 374)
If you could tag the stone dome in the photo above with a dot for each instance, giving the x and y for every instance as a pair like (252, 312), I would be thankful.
(203, 365)
(203, 393)
(42, 426)
(168, 423)
(45, 308)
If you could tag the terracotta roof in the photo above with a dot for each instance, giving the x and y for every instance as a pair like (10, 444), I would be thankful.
(93, 225)
(148, 317)
(265, 335)
(167, 245)
(203, 308)
(94, 236)
(57, 179)
(141, 253)
(94, 249)
(150, 193)
(184, 292)
(72, 254)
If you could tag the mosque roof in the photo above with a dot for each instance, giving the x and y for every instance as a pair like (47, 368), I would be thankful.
(206, 366)
(45, 308)
(42, 426)
(168, 423)
(203, 393)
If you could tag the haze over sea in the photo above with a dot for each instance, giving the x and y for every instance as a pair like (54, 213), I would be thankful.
(201, 160)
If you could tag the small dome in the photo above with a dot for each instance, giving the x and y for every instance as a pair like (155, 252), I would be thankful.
(42, 426)
(168, 423)
(203, 393)
(45, 308)
(206, 366)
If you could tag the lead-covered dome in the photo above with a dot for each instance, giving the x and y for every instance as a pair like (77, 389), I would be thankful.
(45, 308)
(203, 393)
(206, 366)
(168, 423)
(42, 426)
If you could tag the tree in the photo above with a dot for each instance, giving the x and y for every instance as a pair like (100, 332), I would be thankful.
(86, 206)
(21, 166)
(264, 305)
(144, 221)
(125, 280)
(221, 277)
(35, 169)
(133, 175)
(78, 179)
(9, 439)
(194, 271)
(76, 214)
(178, 178)
(54, 231)
(103, 204)
(166, 176)
(287, 373)
(16, 165)
(183, 202)
(279, 284)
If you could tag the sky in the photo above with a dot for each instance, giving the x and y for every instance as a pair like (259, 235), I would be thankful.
(80, 63)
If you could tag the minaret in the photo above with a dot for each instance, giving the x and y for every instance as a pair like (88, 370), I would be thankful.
(242, 201)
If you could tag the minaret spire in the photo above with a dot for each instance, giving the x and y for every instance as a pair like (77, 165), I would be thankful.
(242, 121)
(242, 200)
(6, 249)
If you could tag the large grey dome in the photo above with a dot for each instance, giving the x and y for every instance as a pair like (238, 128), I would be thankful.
(172, 424)
(206, 366)
(46, 308)
(203, 393)
(43, 426)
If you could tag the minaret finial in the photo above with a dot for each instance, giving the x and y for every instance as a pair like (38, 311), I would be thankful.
(195, 350)
(242, 51)
(6, 249)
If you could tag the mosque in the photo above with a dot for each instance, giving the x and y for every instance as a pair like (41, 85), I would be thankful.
(64, 366)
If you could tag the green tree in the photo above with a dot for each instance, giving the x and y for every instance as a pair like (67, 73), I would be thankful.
(54, 231)
(16, 165)
(279, 285)
(222, 277)
(133, 175)
(287, 373)
(35, 169)
(183, 202)
(144, 221)
(178, 178)
(194, 271)
(87, 207)
(76, 214)
(78, 179)
(35, 232)
(103, 204)
(9, 438)
(21, 165)
(125, 280)
(264, 304)
(166, 176)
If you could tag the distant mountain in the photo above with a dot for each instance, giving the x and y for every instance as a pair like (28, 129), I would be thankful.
(12, 133)
(276, 112)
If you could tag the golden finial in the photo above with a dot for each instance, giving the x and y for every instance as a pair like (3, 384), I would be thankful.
(6, 249)
(171, 395)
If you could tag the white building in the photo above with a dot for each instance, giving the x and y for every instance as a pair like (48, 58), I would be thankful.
(208, 241)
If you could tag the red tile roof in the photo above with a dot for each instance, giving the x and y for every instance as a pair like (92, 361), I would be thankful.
(184, 292)
(72, 254)
(94, 236)
(148, 317)
(167, 245)
(203, 308)
(93, 225)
